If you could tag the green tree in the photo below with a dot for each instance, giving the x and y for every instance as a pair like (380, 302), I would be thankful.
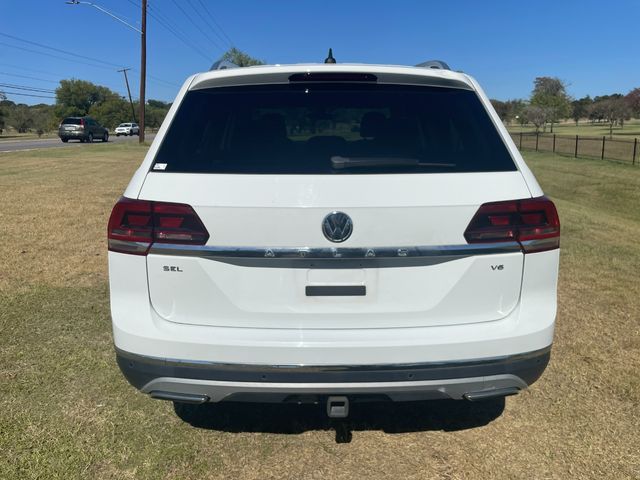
(516, 107)
(21, 118)
(550, 94)
(240, 58)
(155, 112)
(580, 108)
(633, 101)
(613, 109)
(159, 104)
(536, 115)
(6, 107)
(43, 118)
(509, 110)
(501, 108)
(76, 97)
(111, 111)
(3, 97)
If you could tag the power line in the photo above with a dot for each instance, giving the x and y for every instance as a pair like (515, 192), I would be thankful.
(184, 12)
(27, 95)
(156, 80)
(209, 26)
(159, 80)
(164, 22)
(204, 7)
(174, 30)
(55, 56)
(183, 38)
(105, 66)
(27, 76)
(59, 50)
(27, 88)
(31, 70)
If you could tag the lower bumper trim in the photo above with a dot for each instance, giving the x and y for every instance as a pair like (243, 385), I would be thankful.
(477, 388)
(473, 379)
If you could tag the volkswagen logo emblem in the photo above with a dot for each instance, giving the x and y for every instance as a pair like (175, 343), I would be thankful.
(337, 227)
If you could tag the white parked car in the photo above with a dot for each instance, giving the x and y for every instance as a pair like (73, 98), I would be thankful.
(127, 129)
(331, 233)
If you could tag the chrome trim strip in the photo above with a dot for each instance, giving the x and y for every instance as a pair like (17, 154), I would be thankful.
(334, 257)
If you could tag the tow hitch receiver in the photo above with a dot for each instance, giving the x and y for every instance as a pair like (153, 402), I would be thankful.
(338, 407)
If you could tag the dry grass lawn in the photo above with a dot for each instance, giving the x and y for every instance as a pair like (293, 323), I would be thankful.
(66, 412)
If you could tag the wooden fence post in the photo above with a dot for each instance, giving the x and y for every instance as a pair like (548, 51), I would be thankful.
(520, 140)
(554, 143)
(635, 148)
(575, 154)
(604, 139)
(537, 136)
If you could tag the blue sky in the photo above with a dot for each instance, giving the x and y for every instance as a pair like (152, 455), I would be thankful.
(593, 46)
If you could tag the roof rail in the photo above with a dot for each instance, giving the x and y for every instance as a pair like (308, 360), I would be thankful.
(437, 64)
(223, 65)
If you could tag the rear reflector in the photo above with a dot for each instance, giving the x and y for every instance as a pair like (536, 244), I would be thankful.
(532, 222)
(135, 225)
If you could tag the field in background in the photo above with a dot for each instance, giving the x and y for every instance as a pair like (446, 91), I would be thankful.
(66, 412)
(630, 130)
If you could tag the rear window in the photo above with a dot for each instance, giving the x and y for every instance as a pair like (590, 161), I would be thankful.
(332, 129)
(72, 121)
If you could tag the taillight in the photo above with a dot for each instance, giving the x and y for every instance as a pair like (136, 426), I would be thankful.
(532, 222)
(135, 225)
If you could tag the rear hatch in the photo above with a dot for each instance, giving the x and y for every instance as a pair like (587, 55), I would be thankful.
(333, 205)
(71, 125)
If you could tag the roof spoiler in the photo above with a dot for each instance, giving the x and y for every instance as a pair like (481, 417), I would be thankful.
(436, 64)
(223, 65)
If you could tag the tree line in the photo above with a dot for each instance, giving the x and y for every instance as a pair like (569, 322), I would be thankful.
(79, 98)
(549, 103)
(76, 98)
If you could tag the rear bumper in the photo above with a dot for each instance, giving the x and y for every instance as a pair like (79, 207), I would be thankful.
(215, 382)
(72, 135)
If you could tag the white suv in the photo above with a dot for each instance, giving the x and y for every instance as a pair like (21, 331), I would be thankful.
(330, 233)
(127, 129)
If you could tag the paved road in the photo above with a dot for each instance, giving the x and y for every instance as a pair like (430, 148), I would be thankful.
(17, 144)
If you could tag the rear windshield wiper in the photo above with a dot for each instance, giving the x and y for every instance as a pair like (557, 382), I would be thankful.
(356, 162)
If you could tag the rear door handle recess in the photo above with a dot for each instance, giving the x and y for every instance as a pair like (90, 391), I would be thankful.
(335, 290)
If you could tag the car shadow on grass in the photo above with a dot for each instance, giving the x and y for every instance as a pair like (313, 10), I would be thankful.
(402, 417)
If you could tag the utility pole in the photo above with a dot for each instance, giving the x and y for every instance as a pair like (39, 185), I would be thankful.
(143, 52)
(143, 67)
(126, 80)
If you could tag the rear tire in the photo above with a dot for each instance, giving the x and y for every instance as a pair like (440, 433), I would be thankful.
(105, 137)
(64, 140)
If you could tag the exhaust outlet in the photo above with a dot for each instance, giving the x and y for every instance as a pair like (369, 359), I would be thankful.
(488, 394)
(179, 397)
